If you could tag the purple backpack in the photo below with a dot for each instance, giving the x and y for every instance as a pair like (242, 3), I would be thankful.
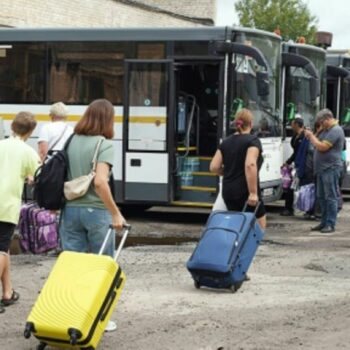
(38, 229)
(287, 177)
(306, 197)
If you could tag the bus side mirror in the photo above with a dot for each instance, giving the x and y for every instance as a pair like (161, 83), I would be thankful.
(314, 88)
(263, 83)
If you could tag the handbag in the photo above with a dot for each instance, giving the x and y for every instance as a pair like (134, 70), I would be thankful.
(78, 187)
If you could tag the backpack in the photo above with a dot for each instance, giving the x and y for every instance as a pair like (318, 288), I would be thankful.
(50, 177)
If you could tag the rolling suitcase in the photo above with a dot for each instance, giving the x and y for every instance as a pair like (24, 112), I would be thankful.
(77, 299)
(38, 229)
(225, 250)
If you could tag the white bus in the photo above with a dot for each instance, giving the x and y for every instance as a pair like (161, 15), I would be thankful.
(174, 91)
(338, 99)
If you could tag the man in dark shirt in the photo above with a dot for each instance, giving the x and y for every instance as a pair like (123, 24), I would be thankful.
(298, 136)
(328, 166)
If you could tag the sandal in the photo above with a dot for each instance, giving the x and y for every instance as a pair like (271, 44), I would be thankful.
(14, 298)
(2, 309)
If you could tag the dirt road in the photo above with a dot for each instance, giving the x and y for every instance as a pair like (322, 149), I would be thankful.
(298, 296)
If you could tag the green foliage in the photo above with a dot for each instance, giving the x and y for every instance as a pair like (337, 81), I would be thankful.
(291, 17)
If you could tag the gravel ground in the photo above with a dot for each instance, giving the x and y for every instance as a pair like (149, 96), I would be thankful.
(298, 296)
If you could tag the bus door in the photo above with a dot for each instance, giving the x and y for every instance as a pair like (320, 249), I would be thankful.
(146, 129)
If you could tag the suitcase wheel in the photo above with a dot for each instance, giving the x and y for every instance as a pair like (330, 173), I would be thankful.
(196, 284)
(41, 346)
(236, 286)
(233, 288)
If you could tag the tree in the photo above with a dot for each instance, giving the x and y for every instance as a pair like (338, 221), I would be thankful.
(291, 17)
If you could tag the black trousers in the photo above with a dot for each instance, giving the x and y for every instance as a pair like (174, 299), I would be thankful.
(289, 199)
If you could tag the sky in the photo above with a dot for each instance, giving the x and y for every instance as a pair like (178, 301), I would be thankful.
(333, 16)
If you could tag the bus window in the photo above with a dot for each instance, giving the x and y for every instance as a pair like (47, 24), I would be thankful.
(147, 86)
(80, 73)
(266, 122)
(298, 90)
(22, 73)
(150, 51)
(190, 48)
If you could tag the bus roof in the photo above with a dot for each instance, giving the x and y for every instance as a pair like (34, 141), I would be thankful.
(338, 59)
(125, 34)
(113, 34)
(306, 47)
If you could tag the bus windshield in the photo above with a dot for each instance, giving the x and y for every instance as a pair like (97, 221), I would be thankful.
(345, 105)
(298, 87)
(345, 100)
(267, 122)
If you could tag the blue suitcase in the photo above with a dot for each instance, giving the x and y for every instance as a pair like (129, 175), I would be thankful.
(225, 250)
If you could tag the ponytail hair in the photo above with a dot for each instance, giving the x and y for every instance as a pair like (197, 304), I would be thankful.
(243, 120)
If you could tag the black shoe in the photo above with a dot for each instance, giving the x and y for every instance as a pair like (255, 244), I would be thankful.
(287, 212)
(54, 253)
(327, 229)
(308, 216)
(317, 228)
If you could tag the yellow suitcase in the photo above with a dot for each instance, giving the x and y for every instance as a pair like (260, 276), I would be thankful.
(77, 300)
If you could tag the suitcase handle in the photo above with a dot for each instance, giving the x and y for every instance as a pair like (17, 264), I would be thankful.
(126, 230)
(256, 207)
(108, 306)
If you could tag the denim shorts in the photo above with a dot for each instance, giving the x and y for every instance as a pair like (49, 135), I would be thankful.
(6, 232)
(84, 229)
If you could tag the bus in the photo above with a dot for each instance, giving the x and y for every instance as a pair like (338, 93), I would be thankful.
(338, 98)
(303, 86)
(175, 92)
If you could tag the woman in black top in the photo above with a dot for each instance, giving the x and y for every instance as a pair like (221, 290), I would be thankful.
(239, 159)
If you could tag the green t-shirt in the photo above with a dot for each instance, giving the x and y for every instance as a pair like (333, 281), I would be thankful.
(80, 153)
(17, 161)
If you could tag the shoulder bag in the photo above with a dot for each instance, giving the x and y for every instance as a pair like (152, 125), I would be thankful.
(78, 187)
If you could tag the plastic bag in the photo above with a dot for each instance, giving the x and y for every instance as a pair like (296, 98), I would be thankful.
(306, 198)
(286, 172)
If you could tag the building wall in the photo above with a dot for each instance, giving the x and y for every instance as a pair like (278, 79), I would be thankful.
(101, 13)
(198, 9)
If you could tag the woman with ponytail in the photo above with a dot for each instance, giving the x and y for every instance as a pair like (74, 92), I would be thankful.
(238, 160)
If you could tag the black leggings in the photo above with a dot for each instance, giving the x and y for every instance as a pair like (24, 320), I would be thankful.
(239, 203)
(6, 232)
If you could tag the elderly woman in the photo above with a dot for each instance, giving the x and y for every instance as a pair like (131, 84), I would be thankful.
(52, 136)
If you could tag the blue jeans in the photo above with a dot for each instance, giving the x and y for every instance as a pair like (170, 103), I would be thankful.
(84, 229)
(327, 193)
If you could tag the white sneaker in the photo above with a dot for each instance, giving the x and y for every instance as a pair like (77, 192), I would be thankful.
(111, 326)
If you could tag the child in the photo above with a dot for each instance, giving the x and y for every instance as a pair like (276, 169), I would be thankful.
(17, 162)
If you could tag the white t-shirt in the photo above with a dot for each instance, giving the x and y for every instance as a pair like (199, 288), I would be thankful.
(52, 131)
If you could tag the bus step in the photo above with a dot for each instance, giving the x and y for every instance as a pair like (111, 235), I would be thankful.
(198, 194)
(204, 179)
(184, 149)
(192, 204)
(204, 163)
(198, 188)
(193, 163)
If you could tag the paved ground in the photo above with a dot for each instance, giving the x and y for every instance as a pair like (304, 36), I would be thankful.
(298, 297)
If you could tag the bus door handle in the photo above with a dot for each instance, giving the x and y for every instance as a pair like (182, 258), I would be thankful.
(135, 162)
